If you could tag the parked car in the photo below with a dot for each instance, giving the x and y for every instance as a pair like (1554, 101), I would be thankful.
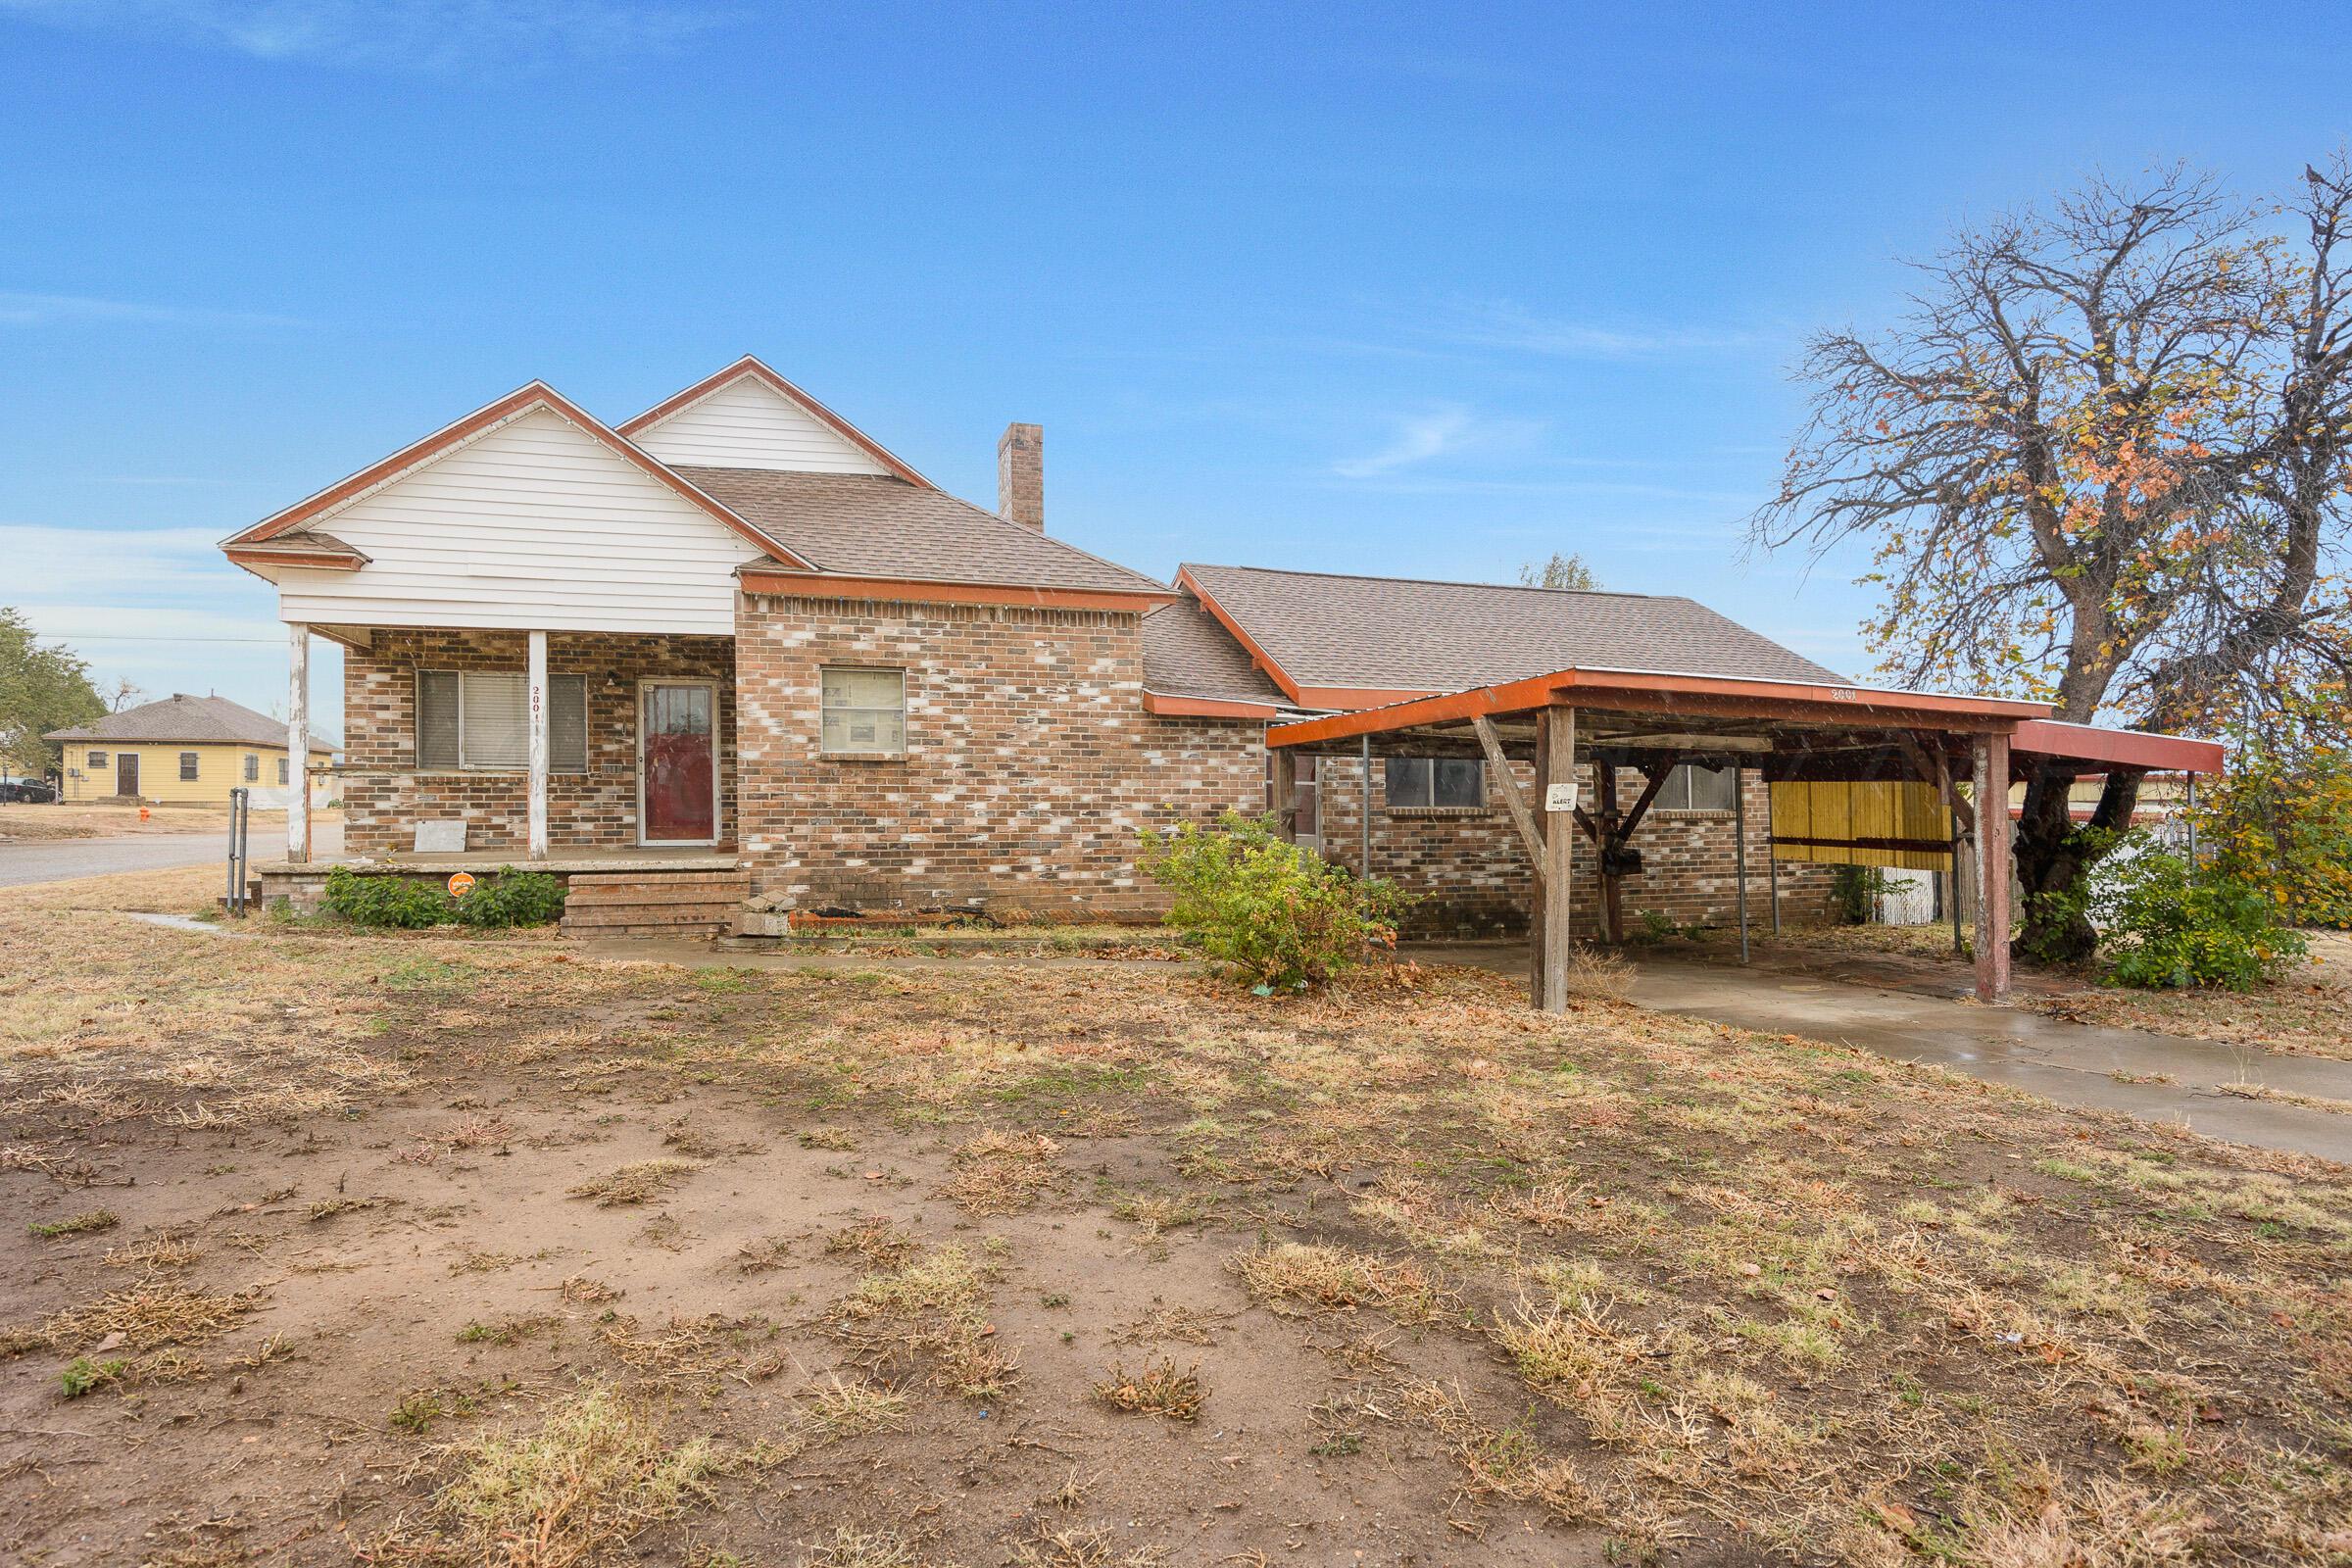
(31, 790)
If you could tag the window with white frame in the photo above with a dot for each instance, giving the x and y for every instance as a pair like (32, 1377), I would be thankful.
(253, 767)
(94, 760)
(282, 770)
(1427, 783)
(481, 719)
(1692, 787)
(862, 712)
(187, 767)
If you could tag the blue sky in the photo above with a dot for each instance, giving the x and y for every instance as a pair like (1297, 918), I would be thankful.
(1422, 291)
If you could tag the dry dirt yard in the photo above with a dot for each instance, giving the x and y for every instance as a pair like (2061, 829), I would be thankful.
(330, 1248)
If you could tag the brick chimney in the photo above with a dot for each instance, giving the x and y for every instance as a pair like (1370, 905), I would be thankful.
(1021, 475)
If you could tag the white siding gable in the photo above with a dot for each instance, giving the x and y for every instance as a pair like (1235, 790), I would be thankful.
(749, 425)
(535, 523)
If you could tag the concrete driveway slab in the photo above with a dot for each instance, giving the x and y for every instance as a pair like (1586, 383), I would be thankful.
(2212, 1088)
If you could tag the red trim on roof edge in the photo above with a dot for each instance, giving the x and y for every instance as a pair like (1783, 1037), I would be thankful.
(2124, 748)
(751, 364)
(250, 556)
(1205, 708)
(536, 394)
(1666, 693)
(1257, 654)
(832, 585)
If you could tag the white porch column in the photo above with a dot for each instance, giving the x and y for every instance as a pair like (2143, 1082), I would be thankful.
(535, 706)
(298, 741)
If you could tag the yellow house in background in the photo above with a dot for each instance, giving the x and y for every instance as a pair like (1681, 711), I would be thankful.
(183, 751)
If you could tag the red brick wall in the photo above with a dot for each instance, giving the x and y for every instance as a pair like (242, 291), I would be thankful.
(1030, 770)
(1477, 881)
(1031, 766)
(385, 795)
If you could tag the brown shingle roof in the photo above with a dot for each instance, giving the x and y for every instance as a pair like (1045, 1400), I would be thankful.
(181, 717)
(1399, 634)
(865, 525)
(1187, 654)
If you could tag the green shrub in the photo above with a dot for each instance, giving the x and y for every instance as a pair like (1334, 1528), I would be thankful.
(386, 901)
(2165, 924)
(2281, 819)
(1855, 891)
(512, 898)
(1274, 914)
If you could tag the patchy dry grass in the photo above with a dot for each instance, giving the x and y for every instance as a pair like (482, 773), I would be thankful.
(1609, 1283)
(1158, 1390)
(1294, 1276)
(141, 1318)
(590, 1475)
(928, 1314)
(96, 1219)
(1001, 1172)
(639, 1182)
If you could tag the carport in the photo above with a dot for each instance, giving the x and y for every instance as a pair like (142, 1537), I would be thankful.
(1648, 723)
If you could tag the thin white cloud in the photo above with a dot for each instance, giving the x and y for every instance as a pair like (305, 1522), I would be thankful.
(1417, 439)
(452, 37)
(1437, 433)
(60, 564)
(21, 309)
(160, 608)
(1511, 327)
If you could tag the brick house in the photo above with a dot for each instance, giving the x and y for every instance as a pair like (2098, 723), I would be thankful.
(735, 637)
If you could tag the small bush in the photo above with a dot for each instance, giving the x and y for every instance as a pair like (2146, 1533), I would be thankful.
(2281, 819)
(2165, 924)
(1855, 890)
(393, 901)
(512, 898)
(1276, 915)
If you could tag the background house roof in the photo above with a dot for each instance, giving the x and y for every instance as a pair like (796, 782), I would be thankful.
(862, 526)
(1187, 654)
(1398, 634)
(193, 719)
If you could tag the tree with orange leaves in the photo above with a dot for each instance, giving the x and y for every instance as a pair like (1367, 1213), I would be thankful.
(2103, 461)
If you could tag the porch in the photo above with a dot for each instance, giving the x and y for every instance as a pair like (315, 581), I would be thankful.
(476, 748)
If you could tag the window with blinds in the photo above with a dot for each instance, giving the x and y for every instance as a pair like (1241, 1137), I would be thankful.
(863, 712)
(1428, 783)
(481, 719)
(1692, 787)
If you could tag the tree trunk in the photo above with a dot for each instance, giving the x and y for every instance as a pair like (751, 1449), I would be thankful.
(2053, 860)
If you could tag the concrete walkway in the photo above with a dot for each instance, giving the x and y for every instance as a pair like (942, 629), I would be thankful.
(2159, 1077)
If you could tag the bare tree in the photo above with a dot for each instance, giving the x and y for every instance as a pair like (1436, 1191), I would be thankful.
(2103, 462)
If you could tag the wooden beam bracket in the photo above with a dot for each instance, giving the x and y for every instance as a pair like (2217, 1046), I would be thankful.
(1939, 773)
(1523, 815)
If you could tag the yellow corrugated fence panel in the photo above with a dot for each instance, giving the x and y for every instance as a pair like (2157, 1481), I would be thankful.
(1835, 823)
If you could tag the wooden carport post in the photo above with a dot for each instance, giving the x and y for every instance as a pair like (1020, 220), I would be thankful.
(1556, 747)
(1282, 792)
(1992, 805)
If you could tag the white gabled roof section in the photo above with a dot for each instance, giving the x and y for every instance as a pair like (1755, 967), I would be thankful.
(530, 523)
(527, 513)
(748, 417)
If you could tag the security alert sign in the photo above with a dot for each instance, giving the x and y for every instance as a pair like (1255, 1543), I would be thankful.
(461, 883)
(1559, 796)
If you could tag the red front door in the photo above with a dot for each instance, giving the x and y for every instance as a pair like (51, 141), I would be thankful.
(679, 761)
